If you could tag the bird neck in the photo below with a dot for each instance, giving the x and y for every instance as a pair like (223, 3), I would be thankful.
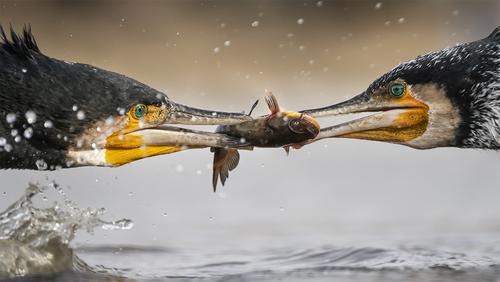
(481, 119)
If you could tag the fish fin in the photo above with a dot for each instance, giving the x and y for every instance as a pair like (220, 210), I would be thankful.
(287, 150)
(225, 160)
(253, 107)
(272, 103)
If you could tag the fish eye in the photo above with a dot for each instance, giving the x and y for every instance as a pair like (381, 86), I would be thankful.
(295, 126)
(139, 111)
(397, 89)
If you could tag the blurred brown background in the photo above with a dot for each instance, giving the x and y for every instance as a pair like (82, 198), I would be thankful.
(208, 53)
(223, 54)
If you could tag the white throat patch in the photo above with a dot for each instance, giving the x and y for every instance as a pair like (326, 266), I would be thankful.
(444, 118)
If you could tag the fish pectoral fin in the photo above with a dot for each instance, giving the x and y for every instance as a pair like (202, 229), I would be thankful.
(272, 103)
(287, 150)
(225, 160)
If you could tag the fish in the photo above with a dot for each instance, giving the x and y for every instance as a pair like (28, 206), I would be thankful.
(280, 128)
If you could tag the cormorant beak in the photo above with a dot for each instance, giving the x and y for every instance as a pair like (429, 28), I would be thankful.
(124, 147)
(131, 137)
(181, 114)
(396, 119)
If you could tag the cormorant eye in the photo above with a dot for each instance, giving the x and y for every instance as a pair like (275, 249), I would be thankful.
(397, 89)
(139, 111)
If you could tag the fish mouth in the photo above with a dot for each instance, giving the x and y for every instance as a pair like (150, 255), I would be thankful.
(182, 114)
(304, 124)
(392, 120)
(312, 126)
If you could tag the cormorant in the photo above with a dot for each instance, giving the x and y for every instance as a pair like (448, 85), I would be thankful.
(449, 98)
(57, 114)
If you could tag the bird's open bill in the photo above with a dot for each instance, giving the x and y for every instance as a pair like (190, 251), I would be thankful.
(146, 131)
(397, 117)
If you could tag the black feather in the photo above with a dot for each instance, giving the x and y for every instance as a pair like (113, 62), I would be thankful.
(463, 71)
(32, 81)
(23, 45)
(495, 35)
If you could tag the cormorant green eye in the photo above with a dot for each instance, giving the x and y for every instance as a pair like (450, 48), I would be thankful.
(139, 111)
(397, 89)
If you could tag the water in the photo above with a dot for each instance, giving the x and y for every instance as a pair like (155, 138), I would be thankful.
(36, 245)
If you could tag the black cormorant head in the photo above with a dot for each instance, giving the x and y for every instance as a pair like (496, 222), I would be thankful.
(55, 113)
(446, 98)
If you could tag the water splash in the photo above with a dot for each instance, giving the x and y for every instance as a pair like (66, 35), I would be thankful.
(36, 240)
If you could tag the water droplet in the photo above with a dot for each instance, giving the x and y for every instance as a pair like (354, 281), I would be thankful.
(302, 48)
(455, 12)
(124, 224)
(179, 168)
(96, 180)
(24, 70)
(242, 140)
(210, 218)
(378, 6)
(255, 23)
(14, 132)
(300, 21)
(199, 172)
(227, 43)
(11, 117)
(44, 198)
(109, 120)
(3, 141)
(79, 143)
(28, 133)
(30, 117)
(131, 194)
(282, 209)
(48, 124)
(165, 214)
(401, 20)
(216, 50)
(319, 3)
(80, 115)
(17, 139)
(7, 147)
(74, 108)
(41, 164)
